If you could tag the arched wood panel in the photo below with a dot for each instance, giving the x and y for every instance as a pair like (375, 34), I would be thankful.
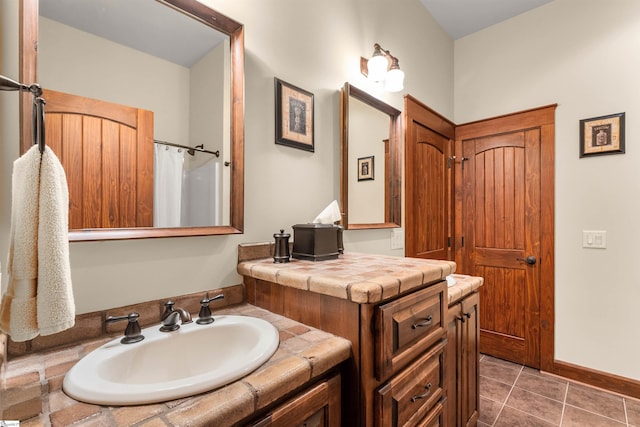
(106, 150)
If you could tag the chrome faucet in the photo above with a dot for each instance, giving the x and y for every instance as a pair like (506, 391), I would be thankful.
(171, 315)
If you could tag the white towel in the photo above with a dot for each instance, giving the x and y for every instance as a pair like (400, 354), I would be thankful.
(39, 297)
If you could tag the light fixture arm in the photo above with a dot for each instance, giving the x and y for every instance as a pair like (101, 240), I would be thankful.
(377, 49)
(383, 67)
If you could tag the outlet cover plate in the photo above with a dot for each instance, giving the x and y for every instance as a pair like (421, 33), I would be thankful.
(594, 239)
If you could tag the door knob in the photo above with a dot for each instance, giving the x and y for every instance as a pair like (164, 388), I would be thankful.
(529, 260)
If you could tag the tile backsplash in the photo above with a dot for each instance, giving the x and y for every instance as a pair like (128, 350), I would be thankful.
(92, 325)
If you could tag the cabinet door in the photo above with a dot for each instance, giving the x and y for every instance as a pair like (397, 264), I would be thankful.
(453, 360)
(462, 363)
(317, 407)
(470, 360)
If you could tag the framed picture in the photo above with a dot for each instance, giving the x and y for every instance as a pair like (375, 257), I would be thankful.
(602, 135)
(294, 116)
(365, 168)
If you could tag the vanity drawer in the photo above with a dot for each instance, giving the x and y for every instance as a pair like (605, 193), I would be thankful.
(435, 418)
(407, 327)
(319, 406)
(413, 397)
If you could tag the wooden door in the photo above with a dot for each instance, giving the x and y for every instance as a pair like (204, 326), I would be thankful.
(106, 151)
(501, 225)
(428, 160)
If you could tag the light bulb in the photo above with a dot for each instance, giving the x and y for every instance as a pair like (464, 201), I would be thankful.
(395, 80)
(377, 68)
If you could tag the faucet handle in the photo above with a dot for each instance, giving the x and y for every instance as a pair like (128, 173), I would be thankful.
(204, 317)
(168, 309)
(132, 333)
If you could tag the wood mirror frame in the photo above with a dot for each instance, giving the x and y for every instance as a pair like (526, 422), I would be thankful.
(393, 171)
(206, 15)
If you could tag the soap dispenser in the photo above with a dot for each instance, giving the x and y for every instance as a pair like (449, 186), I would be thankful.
(281, 249)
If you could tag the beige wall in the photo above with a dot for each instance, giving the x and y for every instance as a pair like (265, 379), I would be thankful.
(582, 55)
(209, 100)
(9, 137)
(313, 45)
(553, 54)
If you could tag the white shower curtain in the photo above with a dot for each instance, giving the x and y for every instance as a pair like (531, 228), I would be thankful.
(167, 182)
(201, 194)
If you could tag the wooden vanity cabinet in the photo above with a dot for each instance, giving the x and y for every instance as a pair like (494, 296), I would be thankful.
(318, 406)
(397, 374)
(464, 358)
(411, 397)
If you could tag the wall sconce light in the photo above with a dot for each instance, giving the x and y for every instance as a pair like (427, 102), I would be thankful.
(383, 67)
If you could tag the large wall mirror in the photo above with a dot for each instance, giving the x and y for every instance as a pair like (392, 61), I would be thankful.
(154, 90)
(370, 175)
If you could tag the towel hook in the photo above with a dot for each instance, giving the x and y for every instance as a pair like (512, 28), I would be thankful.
(38, 123)
(38, 107)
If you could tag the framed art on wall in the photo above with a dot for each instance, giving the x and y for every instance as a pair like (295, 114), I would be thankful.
(602, 135)
(294, 116)
(365, 168)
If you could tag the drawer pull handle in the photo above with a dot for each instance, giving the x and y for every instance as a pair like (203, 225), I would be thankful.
(423, 395)
(425, 322)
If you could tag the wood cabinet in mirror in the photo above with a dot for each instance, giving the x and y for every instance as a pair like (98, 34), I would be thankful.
(232, 125)
(370, 169)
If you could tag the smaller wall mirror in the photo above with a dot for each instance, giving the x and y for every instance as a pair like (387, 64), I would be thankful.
(370, 172)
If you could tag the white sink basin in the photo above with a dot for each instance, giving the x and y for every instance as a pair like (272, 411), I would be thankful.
(170, 365)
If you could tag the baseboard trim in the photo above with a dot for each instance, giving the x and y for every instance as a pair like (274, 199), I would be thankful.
(604, 380)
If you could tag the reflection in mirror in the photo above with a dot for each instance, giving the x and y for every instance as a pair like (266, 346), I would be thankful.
(370, 171)
(180, 63)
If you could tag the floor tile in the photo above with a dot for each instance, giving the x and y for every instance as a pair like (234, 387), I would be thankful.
(498, 361)
(535, 399)
(534, 404)
(541, 385)
(576, 417)
(510, 417)
(633, 412)
(596, 401)
(494, 390)
(505, 373)
(489, 411)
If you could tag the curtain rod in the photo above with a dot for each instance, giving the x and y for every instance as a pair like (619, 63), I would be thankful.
(190, 150)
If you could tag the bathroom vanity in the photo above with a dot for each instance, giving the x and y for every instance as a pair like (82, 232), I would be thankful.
(409, 348)
(365, 340)
(301, 382)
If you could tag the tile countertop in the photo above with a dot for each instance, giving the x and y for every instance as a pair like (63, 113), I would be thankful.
(303, 356)
(463, 286)
(357, 277)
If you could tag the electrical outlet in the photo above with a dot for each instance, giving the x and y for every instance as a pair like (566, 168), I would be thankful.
(397, 238)
(594, 239)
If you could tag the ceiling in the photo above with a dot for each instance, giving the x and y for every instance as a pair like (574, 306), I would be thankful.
(118, 21)
(163, 32)
(463, 17)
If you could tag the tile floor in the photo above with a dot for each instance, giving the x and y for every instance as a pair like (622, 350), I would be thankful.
(513, 395)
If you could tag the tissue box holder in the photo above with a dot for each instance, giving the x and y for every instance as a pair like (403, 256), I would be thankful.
(316, 242)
